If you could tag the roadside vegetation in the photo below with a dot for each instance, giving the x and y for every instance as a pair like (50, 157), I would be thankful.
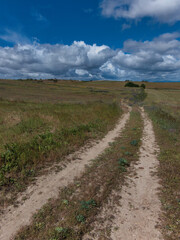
(33, 136)
(43, 121)
(70, 216)
(163, 109)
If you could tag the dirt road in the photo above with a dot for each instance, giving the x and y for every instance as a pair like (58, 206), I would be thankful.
(136, 216)
(47, 186)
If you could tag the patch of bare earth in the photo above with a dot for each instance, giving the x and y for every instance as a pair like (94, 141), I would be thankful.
(48, 186)
(12, 119)
(136, 214)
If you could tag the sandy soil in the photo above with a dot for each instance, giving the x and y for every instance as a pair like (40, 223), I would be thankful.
(48, 186)
(136, 215)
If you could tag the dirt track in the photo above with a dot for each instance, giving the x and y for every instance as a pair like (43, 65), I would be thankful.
(47, 186)
(136, 216)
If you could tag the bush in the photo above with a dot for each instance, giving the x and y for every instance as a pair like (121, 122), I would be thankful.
(131, 84)
(143, 85)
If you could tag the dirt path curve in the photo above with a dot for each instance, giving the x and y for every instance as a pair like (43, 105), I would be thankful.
(47, 186)
(136, 216)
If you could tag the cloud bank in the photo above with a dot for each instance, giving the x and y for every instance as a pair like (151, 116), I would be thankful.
(158, 59)
(163, 10)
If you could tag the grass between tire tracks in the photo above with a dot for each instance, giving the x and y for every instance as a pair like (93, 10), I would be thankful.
(70, 216)
(167, 129)
(75, 124)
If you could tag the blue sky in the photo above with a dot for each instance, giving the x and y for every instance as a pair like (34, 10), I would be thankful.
(90, 39)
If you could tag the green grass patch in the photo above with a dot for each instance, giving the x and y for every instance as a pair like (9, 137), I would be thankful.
(30, 144)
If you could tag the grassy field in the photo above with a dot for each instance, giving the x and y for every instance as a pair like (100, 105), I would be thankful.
(61, 91)
(31, 145)
(69, 91)
(43, 121)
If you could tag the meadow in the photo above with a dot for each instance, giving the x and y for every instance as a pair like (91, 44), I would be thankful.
(44, 121)
(35, 133)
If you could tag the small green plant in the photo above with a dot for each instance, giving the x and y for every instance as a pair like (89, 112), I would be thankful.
(128, 153)
(123, 147)
(60, 233)
(81, 218)
(123, 169)
(65, 202)
(39, 226)
(123, 162)
(60, 229)
(87, 205)
(29, 172)
(134, 142)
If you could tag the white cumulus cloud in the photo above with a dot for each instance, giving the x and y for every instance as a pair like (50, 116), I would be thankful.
(158, 59)
(162, 10)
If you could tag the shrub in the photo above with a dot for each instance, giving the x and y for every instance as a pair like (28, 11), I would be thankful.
(131, 84)
(143, 85)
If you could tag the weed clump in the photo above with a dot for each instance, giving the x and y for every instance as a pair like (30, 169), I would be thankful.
(123, 163)
(134, 142)
(87, 205)
(60, 233)
(81, 218)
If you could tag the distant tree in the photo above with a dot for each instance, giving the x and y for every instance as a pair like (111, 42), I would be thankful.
(143, 85)
(131, 84)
